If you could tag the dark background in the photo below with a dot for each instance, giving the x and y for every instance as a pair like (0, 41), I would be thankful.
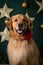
(37, 30)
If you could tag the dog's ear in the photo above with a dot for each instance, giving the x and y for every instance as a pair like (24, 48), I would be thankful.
(29, 21)
(8, 23)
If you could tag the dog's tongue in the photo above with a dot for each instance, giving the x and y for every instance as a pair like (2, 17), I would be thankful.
(20, 31)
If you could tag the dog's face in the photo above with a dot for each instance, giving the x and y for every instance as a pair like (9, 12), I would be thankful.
(19, 23)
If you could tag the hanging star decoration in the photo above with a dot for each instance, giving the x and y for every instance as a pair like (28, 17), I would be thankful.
(31, 18)
(5, 35)
(41, 6)
(5, 11)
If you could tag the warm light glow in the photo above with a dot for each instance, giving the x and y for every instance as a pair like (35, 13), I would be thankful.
(41, 25)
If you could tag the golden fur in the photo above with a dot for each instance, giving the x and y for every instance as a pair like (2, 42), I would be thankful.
(21, 51)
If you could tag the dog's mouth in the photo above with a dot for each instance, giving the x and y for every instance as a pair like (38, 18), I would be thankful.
(19, 31)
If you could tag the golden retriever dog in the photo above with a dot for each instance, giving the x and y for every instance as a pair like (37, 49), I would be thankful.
(21, 48)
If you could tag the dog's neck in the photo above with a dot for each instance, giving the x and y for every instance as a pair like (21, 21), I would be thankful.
(26, 36)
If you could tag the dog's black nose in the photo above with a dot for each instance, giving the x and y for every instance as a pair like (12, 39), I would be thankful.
(20, 25)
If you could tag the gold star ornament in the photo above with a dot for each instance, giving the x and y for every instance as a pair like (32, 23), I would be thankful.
(41, 6)
(5, 11)
(5, 35)
(31, 18)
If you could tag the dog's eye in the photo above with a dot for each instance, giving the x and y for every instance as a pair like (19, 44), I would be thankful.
(24, 20)
(15, 20)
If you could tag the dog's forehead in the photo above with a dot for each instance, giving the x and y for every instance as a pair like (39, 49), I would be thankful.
(18, 16)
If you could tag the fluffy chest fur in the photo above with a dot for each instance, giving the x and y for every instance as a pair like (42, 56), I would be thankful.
(19, 51)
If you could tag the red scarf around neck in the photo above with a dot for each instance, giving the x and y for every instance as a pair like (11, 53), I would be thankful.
(28, 36)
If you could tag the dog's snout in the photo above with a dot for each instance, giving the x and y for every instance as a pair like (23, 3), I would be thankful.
(20, 25)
